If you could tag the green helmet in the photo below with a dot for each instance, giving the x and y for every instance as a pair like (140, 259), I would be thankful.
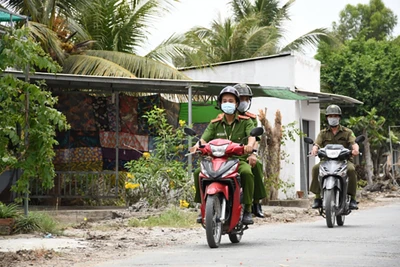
(243, 89)
(333, 110)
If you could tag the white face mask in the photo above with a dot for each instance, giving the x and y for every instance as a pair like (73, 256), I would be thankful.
(228, 108)
(333, 121)
(243, 106)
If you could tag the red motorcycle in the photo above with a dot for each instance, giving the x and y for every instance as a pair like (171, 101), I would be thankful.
(220, 189)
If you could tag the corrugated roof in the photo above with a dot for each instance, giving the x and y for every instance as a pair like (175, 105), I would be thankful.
(70, 82)
(320, 98)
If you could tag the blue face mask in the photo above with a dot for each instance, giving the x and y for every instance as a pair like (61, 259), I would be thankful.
(228, 108)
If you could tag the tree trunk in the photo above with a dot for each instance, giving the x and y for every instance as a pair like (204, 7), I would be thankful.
(270, 150)
(368, 159)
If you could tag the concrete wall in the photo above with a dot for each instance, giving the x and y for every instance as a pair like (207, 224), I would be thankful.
(285, 70)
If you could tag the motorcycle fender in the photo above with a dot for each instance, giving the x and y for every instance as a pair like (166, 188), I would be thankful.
(330, 183)
(215, 188)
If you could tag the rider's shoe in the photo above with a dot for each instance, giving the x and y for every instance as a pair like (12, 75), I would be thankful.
(353, 204)
(257, 211)
(199, 219)
(247, 218)
(317, 203)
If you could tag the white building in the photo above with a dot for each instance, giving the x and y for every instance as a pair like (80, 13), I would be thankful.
(289, 71)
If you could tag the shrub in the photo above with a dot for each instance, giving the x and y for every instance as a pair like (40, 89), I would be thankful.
(8, 211)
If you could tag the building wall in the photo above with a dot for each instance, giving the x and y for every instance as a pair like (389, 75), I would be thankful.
(285, 70)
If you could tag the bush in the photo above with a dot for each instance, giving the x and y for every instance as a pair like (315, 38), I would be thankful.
(8, 211)
(161, 176)
(36, 222)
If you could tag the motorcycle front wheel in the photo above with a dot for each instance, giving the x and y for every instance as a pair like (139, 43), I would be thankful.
(213, 224)
(330, 209)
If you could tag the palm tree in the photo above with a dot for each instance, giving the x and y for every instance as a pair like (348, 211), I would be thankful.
(114, 29)
(255, 30)
(269, 13)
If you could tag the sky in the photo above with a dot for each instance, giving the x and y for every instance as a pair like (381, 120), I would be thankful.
(306, 15)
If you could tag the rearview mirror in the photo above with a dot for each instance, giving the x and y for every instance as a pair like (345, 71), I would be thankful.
(360, 138)
(308, 140)
(189, 131)
(257, 131)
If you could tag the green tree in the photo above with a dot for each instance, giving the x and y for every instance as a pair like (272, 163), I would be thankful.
(366, 70)
(373, 20)
(375, 144)
(268, 13)
(254, 30)
(28, 121)
(115, 29)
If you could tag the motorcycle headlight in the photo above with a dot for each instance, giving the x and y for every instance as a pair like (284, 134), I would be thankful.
(332, 153)
(231, 170)
(218, 151)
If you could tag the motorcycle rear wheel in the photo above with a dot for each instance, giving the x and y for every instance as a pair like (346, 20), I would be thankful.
(340, 220)
(330, 210)
(235, 238)
(213, 225)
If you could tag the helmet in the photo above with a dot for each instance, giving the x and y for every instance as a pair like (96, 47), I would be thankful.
(333, 110)
(228, 90)
(243, 89)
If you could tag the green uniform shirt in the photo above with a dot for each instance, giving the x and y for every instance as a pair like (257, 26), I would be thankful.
(344, 137)
(219, 128)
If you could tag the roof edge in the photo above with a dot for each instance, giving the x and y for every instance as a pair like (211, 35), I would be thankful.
(236, 61)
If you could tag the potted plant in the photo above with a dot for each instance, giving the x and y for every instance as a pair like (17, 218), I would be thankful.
(8, 214)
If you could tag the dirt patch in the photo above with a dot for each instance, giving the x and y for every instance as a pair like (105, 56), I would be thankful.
(29, 256)
(113, 239)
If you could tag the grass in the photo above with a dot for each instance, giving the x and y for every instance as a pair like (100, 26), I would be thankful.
(173, 217)
(37, 222)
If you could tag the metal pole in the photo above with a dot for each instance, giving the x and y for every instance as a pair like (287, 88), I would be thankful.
(117, 142)
(190, 123)
(302, 157)
(26, 134)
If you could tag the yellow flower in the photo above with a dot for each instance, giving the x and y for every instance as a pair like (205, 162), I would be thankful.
(146, 155)
(171, 184)
(85, 219)
(183, 204)
(129, 185)
(182, 123)
(130, 175)
(193, 188)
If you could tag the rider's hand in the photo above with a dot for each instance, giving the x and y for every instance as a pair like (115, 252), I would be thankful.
(252, 159)
(314, 150)
(194, 148)
(248, 149)
(355, 152)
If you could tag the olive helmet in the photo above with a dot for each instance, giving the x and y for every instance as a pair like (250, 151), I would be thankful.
(243, 89)
(333, 110)
(228, 90)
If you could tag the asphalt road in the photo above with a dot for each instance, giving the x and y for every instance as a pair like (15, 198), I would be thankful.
(369, 238)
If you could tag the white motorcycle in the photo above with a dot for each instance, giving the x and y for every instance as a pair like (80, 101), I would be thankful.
(333, 181)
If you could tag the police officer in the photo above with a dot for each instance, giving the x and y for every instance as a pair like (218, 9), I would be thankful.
(335, 134)
(259, 188)
(234, 127)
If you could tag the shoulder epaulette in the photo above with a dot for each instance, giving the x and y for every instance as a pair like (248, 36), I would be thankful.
(217, 119)
(251, 115)
(243, 117)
